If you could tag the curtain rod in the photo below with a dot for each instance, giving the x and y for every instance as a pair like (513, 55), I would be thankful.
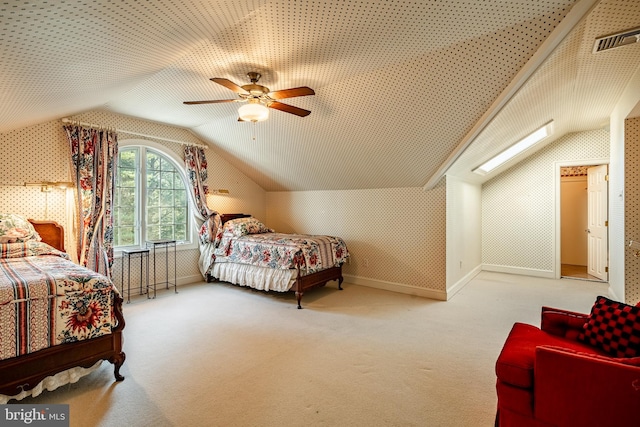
(91, 125)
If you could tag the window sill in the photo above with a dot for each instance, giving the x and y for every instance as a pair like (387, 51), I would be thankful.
(117, 253)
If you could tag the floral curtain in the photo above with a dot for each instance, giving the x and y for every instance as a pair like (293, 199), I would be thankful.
(94, 154)
(196, 164)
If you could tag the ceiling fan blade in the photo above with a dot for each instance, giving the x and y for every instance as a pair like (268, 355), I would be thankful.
(290, 93)
(217, 101)
(288, 108)
(230, 85)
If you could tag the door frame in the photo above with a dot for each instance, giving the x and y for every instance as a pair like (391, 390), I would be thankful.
(557, 218)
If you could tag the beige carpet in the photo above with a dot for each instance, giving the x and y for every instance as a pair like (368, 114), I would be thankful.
(218, 355)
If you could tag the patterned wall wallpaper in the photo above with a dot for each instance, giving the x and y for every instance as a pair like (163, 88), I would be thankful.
(41, 153)
(632, 207)
(34, 154)
(394, 235)
(518, 211)
(517, 206)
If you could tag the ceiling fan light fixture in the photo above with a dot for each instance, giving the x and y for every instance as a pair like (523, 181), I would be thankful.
(253, 112)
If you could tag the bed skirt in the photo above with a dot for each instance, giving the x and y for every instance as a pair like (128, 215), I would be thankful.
(52, 382)
(261, 278)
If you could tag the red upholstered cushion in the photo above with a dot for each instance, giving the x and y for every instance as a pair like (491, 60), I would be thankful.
(631, 361)
(613, 327)
(516, 399)
(562, 322)
(516, 360)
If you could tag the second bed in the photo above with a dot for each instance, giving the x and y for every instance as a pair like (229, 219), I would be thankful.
(239, 249)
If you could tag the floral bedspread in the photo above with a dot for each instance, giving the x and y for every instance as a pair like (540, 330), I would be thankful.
(46, 300)
(283, 251)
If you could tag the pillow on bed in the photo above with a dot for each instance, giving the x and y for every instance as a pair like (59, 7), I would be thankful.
(16, 228)
(242, 226)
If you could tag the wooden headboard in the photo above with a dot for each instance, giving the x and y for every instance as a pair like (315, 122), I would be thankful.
(229, 217)
(51, 232)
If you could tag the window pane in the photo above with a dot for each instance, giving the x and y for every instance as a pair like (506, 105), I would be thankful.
(124, 236)
(153, 198)
(166, 180)
(127, 197)
(126, 178)
(153, 216)
(153, 161)
(166, 215)
(153, 232)
(166, 232)
(181, 197)
(127, 159)
(124, 206)
(164, 196)
(153, 179)
(125, 216)
(181, 232)
(181, 215)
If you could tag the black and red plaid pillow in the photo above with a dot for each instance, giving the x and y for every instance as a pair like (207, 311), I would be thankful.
(614, 327)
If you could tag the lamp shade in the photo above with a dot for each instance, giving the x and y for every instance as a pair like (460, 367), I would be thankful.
(253, 112)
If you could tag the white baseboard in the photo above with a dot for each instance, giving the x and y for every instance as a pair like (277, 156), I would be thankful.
(452, 290)
(396, 287)
(612, 294)
(547, 274)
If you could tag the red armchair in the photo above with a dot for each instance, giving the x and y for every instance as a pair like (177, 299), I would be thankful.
(548, 377)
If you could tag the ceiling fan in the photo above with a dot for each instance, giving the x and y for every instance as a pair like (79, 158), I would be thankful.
(259, 99)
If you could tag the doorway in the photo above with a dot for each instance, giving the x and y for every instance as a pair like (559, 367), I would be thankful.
(583, 234)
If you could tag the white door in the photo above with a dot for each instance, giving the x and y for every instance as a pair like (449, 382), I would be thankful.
(597, 235)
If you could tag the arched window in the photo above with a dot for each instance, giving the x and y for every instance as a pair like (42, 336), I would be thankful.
(150, 197)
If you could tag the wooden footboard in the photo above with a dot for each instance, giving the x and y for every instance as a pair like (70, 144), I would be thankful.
(25, 372)
(314, 280)
(310, 281)
(21, 373)
(303, 282)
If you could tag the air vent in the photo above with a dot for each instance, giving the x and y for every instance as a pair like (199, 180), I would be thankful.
(617, 40)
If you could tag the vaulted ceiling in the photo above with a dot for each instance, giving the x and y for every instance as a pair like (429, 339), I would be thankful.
(400, 86)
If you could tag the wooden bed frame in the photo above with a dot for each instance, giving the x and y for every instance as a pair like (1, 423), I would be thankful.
(302, 283)
(22, 373)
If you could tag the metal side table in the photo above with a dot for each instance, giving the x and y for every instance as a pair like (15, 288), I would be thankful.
(143, 254)
(155, 245)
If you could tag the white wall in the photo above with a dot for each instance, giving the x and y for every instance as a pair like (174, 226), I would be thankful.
(519, 206)
(464, 233)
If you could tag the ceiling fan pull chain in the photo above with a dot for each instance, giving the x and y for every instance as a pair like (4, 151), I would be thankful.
(253, 131)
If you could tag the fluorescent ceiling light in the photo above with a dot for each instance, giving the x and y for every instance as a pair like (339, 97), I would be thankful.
(515, 149)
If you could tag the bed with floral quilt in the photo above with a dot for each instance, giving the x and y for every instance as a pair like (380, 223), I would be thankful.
(239, 249)
(54, 314)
